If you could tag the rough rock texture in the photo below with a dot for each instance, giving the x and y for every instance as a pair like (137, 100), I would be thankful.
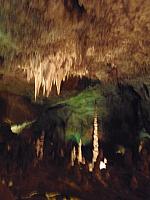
(82, 34)
(16, 109)
(125, 177)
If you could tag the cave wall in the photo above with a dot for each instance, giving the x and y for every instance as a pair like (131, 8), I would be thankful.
(17, 109)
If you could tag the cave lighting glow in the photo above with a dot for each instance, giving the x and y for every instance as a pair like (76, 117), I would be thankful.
(103, 164)
(121, 149)
(18, 128)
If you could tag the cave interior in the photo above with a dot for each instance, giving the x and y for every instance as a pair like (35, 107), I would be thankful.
(74, 99)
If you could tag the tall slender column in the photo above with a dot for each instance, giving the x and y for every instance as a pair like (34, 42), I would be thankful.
(80, 152)
(95, 140)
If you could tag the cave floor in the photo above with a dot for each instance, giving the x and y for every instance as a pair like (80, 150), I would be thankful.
(52, 179)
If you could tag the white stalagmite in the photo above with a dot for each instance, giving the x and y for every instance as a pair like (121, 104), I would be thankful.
(95, 140)
(80, 152)
(95, 143)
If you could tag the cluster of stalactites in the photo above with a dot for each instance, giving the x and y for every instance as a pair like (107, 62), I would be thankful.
(53, 69)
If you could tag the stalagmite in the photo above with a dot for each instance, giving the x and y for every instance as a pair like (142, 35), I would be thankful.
(80, 152)
(39, 146)
(73, 156)
(83, 160)
(95, 143)
(90, 167)
(95, 140)
(77, 155)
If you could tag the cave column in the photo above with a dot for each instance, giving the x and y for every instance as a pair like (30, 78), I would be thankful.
(95, 142)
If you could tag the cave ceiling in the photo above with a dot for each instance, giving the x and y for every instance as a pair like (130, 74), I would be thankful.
(49, 40)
